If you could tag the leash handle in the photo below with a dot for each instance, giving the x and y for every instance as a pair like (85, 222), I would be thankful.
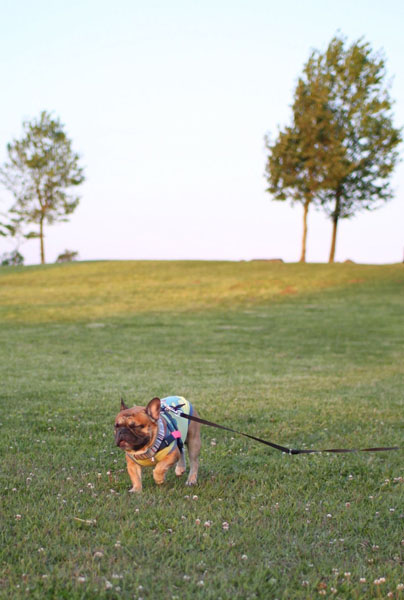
(291, 451)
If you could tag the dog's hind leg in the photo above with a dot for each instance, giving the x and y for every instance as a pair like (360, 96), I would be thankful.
(194, 447)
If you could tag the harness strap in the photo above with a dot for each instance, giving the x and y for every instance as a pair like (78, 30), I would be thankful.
(175, 434)
(150, 452)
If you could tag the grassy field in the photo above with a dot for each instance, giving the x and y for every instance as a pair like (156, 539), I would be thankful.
(304, 355)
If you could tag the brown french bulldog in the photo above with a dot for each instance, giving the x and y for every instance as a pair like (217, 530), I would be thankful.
(154, 436)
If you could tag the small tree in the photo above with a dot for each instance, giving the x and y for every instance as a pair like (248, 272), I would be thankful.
(67, 256)
(358, 98)
(11, 259)
(295, 166)
(41, 172)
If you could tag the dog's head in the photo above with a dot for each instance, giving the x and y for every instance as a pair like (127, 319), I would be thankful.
(136, 428)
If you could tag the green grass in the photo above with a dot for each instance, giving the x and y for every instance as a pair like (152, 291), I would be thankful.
(304, 355)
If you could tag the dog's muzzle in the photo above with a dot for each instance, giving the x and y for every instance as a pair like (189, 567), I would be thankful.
(125, 438)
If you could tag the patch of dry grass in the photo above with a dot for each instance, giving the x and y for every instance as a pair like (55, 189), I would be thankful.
(96, 290)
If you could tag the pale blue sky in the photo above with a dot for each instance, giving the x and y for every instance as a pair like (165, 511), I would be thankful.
(168, 103)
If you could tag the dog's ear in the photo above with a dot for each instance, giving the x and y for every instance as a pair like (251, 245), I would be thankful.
(123, 405)
(153, 409)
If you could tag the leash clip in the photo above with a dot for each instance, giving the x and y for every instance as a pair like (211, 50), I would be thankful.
(173, 409)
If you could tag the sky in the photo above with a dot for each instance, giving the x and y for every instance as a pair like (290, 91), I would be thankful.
(167, 104)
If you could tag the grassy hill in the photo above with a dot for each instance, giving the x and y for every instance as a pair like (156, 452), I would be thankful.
(94, 290)
(303, 355)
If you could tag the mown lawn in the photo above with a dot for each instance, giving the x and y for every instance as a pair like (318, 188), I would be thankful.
(304, 355)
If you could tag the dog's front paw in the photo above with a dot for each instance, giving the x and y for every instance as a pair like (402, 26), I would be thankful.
(159, 481)
(191, 481)
(134, 490)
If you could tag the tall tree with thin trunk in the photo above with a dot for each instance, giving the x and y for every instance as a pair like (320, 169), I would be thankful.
(296, 159)
(41, 172)
(359, 100)
(341, 147)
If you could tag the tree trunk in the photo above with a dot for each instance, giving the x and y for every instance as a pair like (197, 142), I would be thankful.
(335, 218)
(304, 238)
(333, 239)
(41, 237)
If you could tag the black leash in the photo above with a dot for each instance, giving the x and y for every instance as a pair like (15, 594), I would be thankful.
(277, 446)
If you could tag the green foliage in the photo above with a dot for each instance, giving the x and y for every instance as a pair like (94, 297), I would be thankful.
(67, 256)
(322, 367)
(41, 172)
(358, 98)
(13, 259)
(341, 148)
(8, 227)
(295, 167)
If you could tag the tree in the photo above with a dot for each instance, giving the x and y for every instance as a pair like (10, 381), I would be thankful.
(358, 97)
(67, 256)
(295, 166)
(11, 259)
(341, 147)
(41, 172)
